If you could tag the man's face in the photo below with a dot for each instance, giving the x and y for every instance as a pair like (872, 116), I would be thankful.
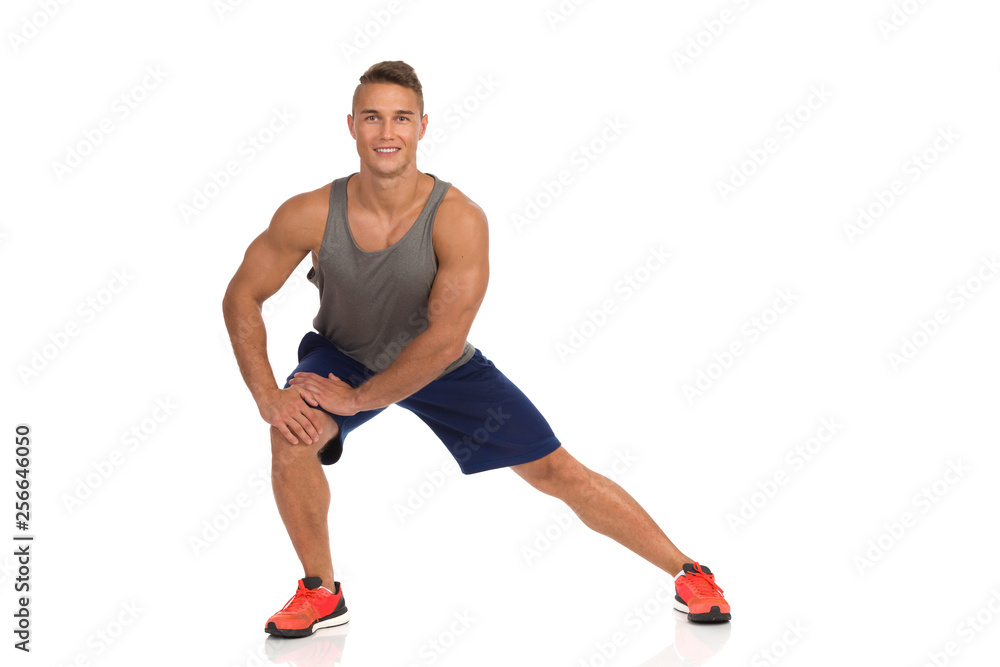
(387, 118)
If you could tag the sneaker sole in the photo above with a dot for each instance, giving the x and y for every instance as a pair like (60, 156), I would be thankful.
(714, 615)
(328, 622)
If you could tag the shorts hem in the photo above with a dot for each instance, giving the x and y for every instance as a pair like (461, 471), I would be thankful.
(549, 445)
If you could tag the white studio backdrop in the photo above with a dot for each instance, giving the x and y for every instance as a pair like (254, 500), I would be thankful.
(744, 258)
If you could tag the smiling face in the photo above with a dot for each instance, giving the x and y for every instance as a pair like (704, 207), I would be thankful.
(387, 126)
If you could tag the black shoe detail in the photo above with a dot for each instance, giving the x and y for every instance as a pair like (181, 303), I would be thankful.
(715, 615)
(339, 611)
(312, 583)
(689, 567)
(272, 629)
(680, 599)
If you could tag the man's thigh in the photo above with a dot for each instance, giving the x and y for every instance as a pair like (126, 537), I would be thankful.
(483, 418)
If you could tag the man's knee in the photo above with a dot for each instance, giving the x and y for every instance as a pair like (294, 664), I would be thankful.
(282, 449)
(555, 474)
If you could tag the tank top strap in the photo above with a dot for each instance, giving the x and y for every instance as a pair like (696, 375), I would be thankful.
(426, 219)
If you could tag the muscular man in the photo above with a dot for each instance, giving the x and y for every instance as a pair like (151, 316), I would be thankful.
(401, 260)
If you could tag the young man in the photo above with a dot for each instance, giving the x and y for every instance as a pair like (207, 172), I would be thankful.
(401, 260)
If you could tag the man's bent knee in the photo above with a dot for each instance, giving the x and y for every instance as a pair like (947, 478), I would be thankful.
(282, 448)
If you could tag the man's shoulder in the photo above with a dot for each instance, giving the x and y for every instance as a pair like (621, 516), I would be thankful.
(301, 219)
(456, 208)
(460, 226)
(312, 205)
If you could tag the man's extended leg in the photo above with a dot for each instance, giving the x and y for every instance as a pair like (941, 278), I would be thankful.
(603, 506)
(302, 494)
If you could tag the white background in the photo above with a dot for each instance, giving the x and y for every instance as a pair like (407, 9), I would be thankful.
(694, 460)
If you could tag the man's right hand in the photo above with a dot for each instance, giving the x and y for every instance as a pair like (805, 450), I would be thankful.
(287, 411)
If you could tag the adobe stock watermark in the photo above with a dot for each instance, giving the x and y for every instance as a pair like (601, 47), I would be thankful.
(580, 160)
(456, 115)
(751, 505)
(712, 29)
(32, 24)
(229, 511)
(434, 648)
(922, 502)
(957, 298)
(912, 170)
(780, 647)
(246, 152)
(899, 16)
(635, 620)
(223, 8)
(787, 126)
(562, 522)
(966, 630)
(751, 332)
(8, 570)
(86, 312)
(107, 635)
(624, 288)
(443, 293)
(131, 440)
(561, 12)
(418, 495)
(366, 33)
(121, 108)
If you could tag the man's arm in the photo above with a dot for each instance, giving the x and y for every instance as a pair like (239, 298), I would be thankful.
(461, 242)
(268, 262)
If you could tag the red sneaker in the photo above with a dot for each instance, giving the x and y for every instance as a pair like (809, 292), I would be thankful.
(698, 596)
(312, 607)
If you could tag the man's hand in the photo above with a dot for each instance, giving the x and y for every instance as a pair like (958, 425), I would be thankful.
(330, 393)
(286, 410)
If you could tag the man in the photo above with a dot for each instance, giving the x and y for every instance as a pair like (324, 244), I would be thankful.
(401, 260)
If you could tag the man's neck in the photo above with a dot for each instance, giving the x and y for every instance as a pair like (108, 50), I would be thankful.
(388, 197)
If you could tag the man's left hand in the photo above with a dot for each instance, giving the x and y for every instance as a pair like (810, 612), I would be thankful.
(330, 393)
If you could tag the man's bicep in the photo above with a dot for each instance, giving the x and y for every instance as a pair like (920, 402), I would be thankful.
(462, 276)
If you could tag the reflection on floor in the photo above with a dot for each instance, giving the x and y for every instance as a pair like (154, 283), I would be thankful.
(324, 648)
(694, 643)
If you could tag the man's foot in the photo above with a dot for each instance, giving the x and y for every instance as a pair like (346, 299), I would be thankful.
(312, 607)
(698, 596)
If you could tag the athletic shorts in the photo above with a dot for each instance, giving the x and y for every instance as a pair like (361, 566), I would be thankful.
(483, 419)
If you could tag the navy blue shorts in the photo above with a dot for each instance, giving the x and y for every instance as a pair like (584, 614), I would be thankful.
(483, 419)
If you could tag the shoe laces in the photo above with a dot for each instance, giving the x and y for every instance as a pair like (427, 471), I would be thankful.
(302, 598)
(703, 584)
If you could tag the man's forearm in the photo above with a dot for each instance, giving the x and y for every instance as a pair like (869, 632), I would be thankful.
(420, 363)
(249, 338)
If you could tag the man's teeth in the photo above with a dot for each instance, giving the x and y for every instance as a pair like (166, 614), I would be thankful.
(386, 150)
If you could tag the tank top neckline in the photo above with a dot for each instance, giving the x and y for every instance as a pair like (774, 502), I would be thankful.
(347, 223)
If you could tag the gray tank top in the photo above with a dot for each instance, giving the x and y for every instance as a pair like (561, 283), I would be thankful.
(373, 304)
